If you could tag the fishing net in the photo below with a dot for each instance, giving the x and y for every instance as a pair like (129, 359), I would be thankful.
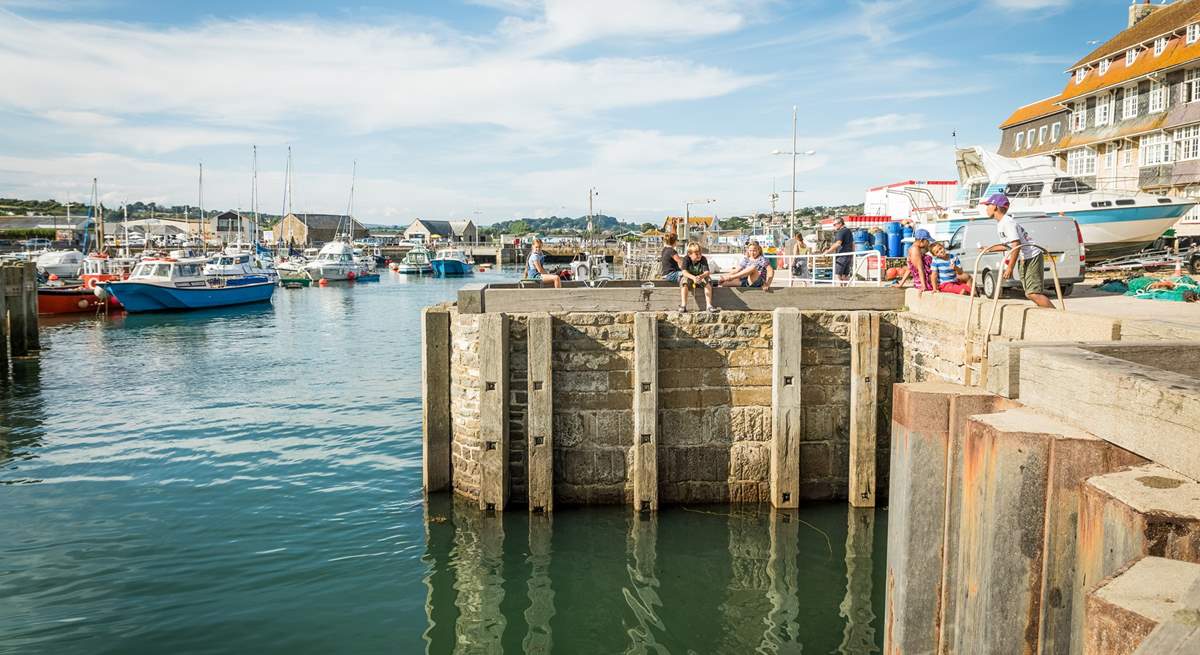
(1178, 289)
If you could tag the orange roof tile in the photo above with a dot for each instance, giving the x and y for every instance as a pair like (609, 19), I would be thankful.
(1163, 21)
(1177, 53)
(1033, 111)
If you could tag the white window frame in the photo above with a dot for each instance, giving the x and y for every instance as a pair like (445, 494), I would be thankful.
(1042, 134)
(1104, 64)
(1129, 104)
(1081, 161)
(1055, 131)
(1191, 85)
(1080, 75)
(1154, 150)
(1020, 140)
(1104, 111)
(1160, 45)
(1158, 97)
(1110, 154)
(1187, 143)
(1029, 137)
(1131, 56)
(1193, 33)
(1127, 155)
(1079, 117)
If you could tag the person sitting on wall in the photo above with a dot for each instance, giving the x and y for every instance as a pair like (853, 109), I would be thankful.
(696, 274)
(754, 271)
(535, 268)
(670, 263)
(919, 263)
(947, 271)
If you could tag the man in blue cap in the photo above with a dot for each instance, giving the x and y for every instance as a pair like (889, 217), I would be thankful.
(1020, 247)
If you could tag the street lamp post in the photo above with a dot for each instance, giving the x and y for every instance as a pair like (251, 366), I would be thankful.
(794, 153)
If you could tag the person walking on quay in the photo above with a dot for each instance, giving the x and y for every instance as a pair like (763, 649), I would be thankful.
(535, 268)
(670, 263)
(843, 242)
(753, 271)
(695, 274)
(797, 251)
(1020, 248)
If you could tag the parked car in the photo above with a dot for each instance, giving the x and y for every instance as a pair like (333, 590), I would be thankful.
(1058, 234)
(38, 243)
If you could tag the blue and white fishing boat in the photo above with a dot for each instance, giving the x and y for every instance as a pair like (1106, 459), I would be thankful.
(169, 284)
(451, 262)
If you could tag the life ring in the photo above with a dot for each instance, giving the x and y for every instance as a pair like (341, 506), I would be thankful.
(91, 283)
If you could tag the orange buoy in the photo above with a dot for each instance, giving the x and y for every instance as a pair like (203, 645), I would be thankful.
(53, 277)
(323, 282)
(350, 275)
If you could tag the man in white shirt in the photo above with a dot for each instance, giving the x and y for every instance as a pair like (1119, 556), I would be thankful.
(1019, 247)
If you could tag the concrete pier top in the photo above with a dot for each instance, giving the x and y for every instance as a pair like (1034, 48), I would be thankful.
(1150, 588)
(1152, 489)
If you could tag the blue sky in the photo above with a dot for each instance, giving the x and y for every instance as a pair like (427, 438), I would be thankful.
(494, 109)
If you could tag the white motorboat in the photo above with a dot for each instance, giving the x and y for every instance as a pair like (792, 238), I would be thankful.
(334, 262)
(1111, 222)
(62, 263)
(416, 262)
(588, 267)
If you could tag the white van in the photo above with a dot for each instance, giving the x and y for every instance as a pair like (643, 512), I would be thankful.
(1058, 234)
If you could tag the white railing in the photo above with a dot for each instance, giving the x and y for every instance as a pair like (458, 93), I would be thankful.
(867, 268)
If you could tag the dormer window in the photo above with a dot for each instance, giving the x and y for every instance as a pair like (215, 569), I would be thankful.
(1130, 56)
(1193, 33)
(1160, 45)
(1080, 75)
(1104, 66)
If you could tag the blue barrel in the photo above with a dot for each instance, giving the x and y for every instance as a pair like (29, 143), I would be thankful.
(894, 236)
(862, 240)
(881, 242)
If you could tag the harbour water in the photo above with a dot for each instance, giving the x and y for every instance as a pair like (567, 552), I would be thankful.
(248, 481)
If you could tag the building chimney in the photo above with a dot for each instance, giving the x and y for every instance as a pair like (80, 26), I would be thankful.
(1137, 12)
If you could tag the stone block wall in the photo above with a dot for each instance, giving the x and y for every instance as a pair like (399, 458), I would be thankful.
(714, 405)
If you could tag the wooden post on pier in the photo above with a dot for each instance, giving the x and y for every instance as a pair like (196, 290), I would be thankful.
(493, 412)
(539, 426)
(29, 285)
(18, 314)
(435, 396)
(786, 412)
(864, 406)
(645, 412)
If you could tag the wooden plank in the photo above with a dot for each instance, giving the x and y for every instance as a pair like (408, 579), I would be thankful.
(4, 327)
(435, 399)
(29, 285)
(493, 411)
(864, 406)
(539, 425)
(17, 311)
(786, 410)
(645, 412)
(666, 298)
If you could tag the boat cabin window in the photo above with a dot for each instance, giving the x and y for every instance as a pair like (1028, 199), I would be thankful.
(1071, 185)
(978, 189)
(188, 270)
(1025, 189)
(956, 239)
(1125, 202)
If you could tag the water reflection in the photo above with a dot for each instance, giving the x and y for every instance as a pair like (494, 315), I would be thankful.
(685, 580)
(22, 416)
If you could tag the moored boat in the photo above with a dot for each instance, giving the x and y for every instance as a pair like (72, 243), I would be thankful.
(72, 300)
(451, 262)
(415, 262)
(63, 263)
(334, 262)
(169, 284)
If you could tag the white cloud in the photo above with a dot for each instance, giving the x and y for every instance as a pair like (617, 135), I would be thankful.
(353, 77)
(566, 23)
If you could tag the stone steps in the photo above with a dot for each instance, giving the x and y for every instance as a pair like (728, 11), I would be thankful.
(1126, 608)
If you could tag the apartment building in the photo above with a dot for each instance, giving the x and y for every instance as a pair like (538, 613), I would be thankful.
(1129, 115)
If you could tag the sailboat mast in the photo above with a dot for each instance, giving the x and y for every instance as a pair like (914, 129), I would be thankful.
(200, 199)
(350, 205)
(254, 196)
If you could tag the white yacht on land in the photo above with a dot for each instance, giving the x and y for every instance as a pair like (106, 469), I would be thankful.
(63, 263)
(335, 261)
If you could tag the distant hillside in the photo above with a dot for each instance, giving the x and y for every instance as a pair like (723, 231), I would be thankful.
(560, 224)
(137, 210)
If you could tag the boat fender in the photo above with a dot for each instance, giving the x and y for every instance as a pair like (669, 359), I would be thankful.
(350, 275)
(99, 291)
(84, 303)
(323, 282)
